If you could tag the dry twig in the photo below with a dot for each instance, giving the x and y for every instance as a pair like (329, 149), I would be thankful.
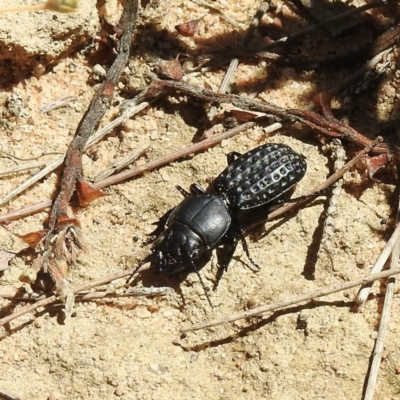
(379, 264)
(328, 126)
(59, 223)
(8, 396)
(384, 322)
(53, 299)
(291, 301)
(235, 62)
(187, 151)
(15, 294)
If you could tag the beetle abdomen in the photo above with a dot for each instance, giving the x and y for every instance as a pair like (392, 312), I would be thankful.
(260, 176)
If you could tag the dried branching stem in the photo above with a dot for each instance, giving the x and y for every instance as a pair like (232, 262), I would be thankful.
(98, 106)
(328, 126)
(77, 289)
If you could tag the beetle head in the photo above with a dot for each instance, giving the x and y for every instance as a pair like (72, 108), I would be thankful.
(175, 249)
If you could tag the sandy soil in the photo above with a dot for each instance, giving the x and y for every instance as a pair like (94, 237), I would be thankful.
(131, 348)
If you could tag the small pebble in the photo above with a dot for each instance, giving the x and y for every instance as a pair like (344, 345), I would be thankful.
(120, 390)
(157, 368)
(99, 70)
(154, 135)
(56, 396)
(142, 312)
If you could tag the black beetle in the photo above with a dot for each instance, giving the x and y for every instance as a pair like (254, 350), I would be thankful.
(201, 222)
(204, 221)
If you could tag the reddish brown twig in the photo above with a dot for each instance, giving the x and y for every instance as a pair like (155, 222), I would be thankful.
(159, 162)
(328, 126)
(60, 225)
(192, 149)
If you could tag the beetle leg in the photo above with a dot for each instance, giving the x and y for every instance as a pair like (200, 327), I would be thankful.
(225, 254)
(232, 156)
(246, 249)
(196, 190)
(160, 227)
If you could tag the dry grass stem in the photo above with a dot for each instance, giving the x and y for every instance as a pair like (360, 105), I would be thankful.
(75, 290)
(128, 159)
(51, 166)
(363, 294)
(8, 396)
(129, 111)
(57, 104)
(291, 301)
(15, 294)
(383, 324)
(21, 168)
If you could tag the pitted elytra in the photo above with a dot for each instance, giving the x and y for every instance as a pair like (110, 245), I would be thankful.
(259, 176)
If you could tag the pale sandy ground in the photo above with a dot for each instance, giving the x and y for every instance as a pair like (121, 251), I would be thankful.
(131, 348)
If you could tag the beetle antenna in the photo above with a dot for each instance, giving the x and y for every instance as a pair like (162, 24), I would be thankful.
(202, 283)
